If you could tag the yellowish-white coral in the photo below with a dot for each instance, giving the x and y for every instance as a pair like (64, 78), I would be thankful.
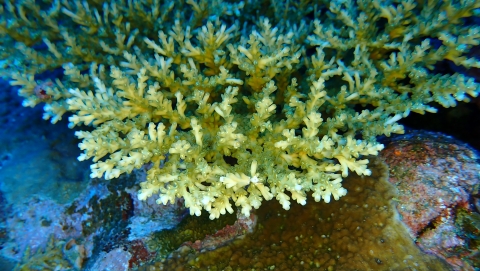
(231, 108)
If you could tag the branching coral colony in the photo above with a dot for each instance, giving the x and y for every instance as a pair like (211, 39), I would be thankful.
(236, 103)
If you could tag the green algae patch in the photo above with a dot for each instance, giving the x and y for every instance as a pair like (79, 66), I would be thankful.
(469, 223)
(191, 228)
(57, 255)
